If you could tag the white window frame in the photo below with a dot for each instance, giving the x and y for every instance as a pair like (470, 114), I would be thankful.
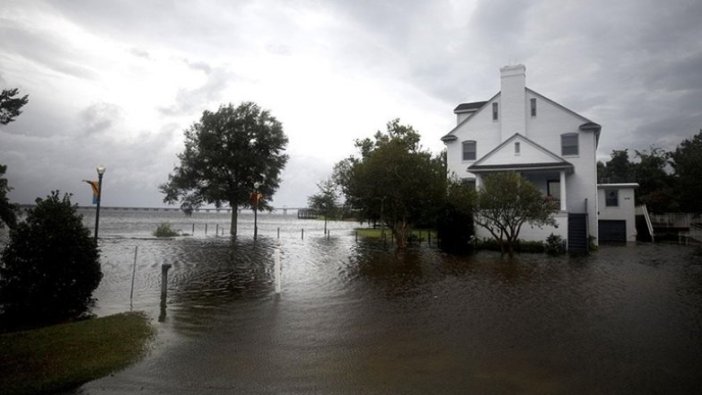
(567, 150)
(474, 152)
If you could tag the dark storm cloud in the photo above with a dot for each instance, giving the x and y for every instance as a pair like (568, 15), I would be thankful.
(43, 48)
(190, 100)
(100, 117)
(632, 66)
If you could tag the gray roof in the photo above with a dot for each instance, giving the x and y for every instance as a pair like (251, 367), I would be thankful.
(465, 107)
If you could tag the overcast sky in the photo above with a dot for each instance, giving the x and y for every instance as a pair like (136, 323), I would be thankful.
(117, 82)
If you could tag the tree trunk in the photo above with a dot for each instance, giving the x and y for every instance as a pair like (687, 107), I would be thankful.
(235, 215)
(400, 231)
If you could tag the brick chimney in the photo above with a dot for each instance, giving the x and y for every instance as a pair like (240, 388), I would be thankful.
(512, 112)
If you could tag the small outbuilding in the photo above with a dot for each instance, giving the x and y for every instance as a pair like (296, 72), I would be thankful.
(616, 212)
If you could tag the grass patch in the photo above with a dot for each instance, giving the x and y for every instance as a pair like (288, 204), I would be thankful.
(64, 356)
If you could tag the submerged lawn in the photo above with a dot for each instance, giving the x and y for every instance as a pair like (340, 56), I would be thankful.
(64, 356)
(377, 233)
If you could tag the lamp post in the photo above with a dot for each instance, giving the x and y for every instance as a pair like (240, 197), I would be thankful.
(100, 171)
(256, 200)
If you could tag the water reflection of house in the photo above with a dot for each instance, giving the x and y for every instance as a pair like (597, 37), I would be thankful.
(521, 130)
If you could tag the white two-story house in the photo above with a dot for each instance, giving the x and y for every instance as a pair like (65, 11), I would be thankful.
(521, 130)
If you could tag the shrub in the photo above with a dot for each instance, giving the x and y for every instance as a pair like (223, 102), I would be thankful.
(51, 266)
(555, 245)
(165, 230)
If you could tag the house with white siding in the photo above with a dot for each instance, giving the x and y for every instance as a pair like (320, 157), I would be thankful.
(552, 146)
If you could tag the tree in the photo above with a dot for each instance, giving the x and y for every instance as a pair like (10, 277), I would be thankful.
(10, 105)
(225, 154)
(9, 109)
(505, 202)
(455, 225)
(394, 181)
(326, 201)
(8, 211)
(617, 169)
(686, 161)
(655, 184)
(51, 266)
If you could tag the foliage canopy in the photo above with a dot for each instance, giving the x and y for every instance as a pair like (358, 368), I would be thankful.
(8, 211)
(326, 202)
(505, 202)
(394, 180)
(225, 153)
(51, 266)
(686, 160)
(10, 105)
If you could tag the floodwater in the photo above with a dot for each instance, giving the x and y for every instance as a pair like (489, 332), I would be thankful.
(355, 317)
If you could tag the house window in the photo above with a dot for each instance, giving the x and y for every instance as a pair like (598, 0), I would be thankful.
(569, 144)
(516, 148)
(533, 107)
(612, 197)
(553, 189)
(469, 150)
(494, 111)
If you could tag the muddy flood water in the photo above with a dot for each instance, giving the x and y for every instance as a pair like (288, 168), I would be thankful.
(354, 317)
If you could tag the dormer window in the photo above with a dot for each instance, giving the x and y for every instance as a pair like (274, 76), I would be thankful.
(516, 148)
(469, 150)
(494, 111)
(533, 107)
(569, 144)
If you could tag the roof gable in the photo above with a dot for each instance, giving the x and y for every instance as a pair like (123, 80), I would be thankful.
(450, 135)
(530, 155)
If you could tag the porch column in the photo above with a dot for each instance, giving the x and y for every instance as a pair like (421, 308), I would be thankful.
(478, 182)
(563, 191)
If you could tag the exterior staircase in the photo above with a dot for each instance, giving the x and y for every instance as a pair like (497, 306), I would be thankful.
(577, 233)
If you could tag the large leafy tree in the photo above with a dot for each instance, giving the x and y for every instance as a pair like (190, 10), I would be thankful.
(10, 106)
(8, 211)
(394, 180)
(618, 169)
(686, 160)
(225, 154)
(505, 202)
(326, 201)
(51, 266)
(655, 182)
(455, 222)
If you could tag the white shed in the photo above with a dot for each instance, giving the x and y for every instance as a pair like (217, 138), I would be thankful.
(616, 212)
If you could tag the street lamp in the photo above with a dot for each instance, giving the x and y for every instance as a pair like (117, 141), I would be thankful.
(256, 200)
(100, 171)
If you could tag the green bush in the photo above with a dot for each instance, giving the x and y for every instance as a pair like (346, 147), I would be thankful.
(165, 230)
(555, 245)
(51, 266)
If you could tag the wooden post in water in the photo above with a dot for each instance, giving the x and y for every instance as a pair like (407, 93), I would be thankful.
(277, 268)
(302, 233)
(279, 233)
(193, 232)
(217, 230)
(164, 290)
(131, 293)
(205, 228)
